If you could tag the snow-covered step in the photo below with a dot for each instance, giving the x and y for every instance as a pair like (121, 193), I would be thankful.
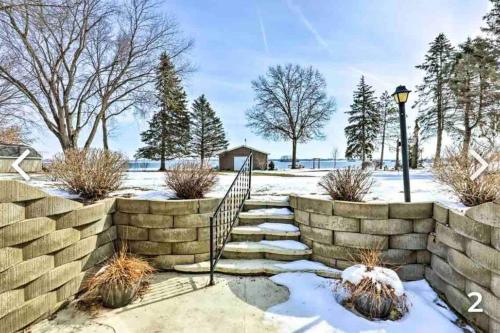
(266, 202)
(258, 216)
(270, 249)
(261, 267)
(268, 231)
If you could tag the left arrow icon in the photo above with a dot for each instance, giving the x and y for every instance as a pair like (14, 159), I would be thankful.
(18, 161)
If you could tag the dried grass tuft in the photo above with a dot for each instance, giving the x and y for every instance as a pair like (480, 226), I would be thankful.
(455, 170)
(191, 180)
(350, 184)
(90, 173)
(123, 269)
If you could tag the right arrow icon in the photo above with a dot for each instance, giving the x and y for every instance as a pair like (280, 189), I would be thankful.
(484, 165)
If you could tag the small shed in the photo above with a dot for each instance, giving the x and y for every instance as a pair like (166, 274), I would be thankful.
(233, 159)
(9, 153)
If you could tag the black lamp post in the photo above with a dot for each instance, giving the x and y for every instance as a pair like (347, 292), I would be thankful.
(401, 96)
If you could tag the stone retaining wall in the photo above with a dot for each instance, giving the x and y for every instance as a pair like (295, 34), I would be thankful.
(48, 245)
(337, 230)
(166, 232)
(466, 258)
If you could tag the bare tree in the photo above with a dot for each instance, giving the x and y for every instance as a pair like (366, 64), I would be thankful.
(82, 62)
(290, 104)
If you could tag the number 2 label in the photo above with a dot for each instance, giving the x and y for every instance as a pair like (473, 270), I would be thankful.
(474, 306)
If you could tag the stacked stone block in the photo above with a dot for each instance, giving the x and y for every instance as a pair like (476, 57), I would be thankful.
(47, 247)
(466, 258)
(167, 233)
(338, 230)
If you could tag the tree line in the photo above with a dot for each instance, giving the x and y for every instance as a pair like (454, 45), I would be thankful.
(459, 95)
(173, 131)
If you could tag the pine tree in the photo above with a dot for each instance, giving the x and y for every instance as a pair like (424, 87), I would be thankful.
(208, 135)
(492, 28)
(168, 135)
(364, 121)
(389, 122)
(475, 83)
(434, 94)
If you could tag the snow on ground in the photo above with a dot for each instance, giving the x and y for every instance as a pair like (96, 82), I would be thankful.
(269, 211)
(388, 186)
(312, 307)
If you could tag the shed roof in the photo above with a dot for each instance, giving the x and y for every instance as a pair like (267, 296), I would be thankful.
(242, 146)
(14, 151)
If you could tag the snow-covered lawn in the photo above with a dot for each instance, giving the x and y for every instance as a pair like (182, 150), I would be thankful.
(388, 185)
(312, 307)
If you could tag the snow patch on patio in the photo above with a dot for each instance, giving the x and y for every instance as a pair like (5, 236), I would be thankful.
(312, 307)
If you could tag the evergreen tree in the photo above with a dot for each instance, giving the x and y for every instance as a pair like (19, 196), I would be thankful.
(475, 83)
(389, 122)
(434, 94)
(364, 121)
(168, 135)
(208, 135)
(492, 28)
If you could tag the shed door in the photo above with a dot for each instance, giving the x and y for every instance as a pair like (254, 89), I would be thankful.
(238, 162)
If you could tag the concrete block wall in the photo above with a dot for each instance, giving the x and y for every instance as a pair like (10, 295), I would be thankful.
(167, 233)
(337, 230)
(466, 258)
(48, 245)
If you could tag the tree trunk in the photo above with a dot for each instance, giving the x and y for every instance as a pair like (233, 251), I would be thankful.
(202, 157)
(396, 167)
(467, 131)
(382, 151)
(104, 125)
(294, 153)
(162, 162)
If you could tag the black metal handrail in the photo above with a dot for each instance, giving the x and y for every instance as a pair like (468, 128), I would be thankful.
(226, 214)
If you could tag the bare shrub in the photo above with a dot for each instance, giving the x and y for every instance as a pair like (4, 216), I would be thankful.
(349, 184)
(455, 170)
(374, 291)
(123, 269)
(191, 180)
(90, 173)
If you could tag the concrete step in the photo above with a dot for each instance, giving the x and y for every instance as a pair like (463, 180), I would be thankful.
(261, 267)
(287, 250)
(258, 216)
(266, 202)
(275, 229)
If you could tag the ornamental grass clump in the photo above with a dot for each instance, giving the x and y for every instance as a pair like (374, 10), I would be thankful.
(455, 170)
(191, 180)
(119, 281)
(373, 291)
(90, 173)
(348, 184)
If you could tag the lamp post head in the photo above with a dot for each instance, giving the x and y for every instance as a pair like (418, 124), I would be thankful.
(401, 94)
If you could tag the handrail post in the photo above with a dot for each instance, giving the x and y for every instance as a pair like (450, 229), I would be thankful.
(250, 176)
(212, 250)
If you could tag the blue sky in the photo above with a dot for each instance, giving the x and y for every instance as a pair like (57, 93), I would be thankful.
(236, 41)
